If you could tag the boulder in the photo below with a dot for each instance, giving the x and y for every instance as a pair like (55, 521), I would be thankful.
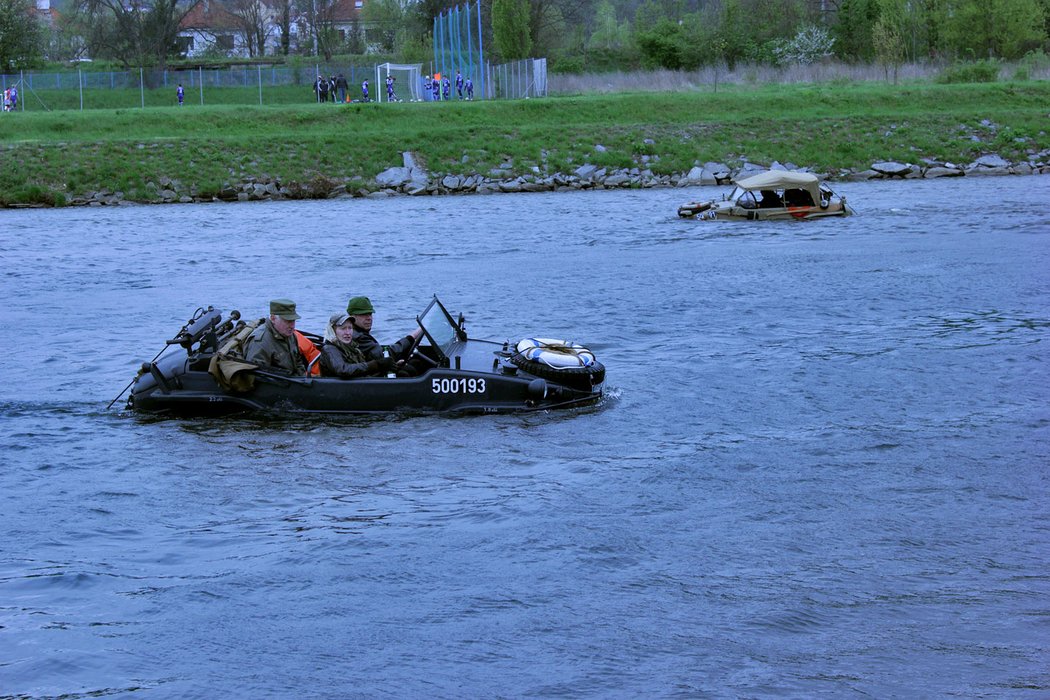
(394, 177)
(695, 176)
(988, 171)
(586, 171)
(540, 186)
(892, 168)
(417, 177)
(617, 180)
(943, 171)
(990, 161)
(749, 169)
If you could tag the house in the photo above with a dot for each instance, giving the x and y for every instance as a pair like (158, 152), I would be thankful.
(223, 27)
(45, 13)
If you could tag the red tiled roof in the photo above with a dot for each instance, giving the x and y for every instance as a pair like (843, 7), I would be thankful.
(209, 14)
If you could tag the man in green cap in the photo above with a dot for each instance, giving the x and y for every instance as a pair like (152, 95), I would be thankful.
(273, 344)
(360, 310)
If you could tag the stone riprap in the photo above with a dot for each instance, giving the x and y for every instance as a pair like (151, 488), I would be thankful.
(413, 179)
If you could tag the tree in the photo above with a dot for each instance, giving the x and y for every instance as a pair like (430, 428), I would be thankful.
(810, 44)
(550, 22)
(995, 28)
(21, 36)
(510, 28)
(887, 37)
(387, 18)
(662, 45)
(134, 32)
(608, 32)
(283, 17)
(856, 19)
(318, 17)
(253, 20)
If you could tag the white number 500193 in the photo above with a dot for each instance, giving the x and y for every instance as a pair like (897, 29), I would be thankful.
(458, 385)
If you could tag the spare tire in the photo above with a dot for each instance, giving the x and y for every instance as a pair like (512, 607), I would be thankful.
(560, 361)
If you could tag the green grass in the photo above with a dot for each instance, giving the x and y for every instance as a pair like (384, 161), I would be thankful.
(61, 154)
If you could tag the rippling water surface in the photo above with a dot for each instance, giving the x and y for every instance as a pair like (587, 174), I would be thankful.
(820, 468)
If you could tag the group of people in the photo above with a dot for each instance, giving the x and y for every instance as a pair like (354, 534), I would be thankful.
(11, 99)
(331, 89)
(441, 88)
(349, 349)
(334, 88)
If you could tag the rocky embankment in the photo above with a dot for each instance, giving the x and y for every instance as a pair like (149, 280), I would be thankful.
(413, 179)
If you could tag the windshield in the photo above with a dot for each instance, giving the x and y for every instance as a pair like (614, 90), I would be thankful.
(439, 326)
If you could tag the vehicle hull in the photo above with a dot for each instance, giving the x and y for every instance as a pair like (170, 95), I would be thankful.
(725, 211)
(480, 379)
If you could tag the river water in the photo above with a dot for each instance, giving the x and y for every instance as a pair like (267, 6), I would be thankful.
(820, 467)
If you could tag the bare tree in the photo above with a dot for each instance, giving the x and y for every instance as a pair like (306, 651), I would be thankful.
(134, 31)
(318, 19)
(253, 20)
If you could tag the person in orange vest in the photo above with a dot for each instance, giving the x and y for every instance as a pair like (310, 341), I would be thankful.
(309, 351)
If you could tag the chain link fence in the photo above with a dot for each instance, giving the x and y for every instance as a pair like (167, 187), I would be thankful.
(260, 85)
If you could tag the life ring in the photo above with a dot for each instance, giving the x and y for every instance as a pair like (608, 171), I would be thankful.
(559, 360)
(693, 208)
(559, 354)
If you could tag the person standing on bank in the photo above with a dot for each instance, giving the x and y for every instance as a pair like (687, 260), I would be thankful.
(360, 310)
(273, 344)
(341, 86)
(341, 357)
(180, 94)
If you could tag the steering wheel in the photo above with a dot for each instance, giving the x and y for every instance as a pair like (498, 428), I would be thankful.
(414, 351)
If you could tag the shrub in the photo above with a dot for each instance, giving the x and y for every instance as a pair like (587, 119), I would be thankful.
(809, 45)
(983, 71)
(1032, 62)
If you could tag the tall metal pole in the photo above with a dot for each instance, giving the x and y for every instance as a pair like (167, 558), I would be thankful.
(142, 90)
(435, 42)
(481, 49)
(444, 47)
(260, 84)
(80, 84)
(470, 46)
(200, 75)
(456, 42)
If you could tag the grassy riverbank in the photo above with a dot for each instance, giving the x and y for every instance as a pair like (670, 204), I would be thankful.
(52, 157)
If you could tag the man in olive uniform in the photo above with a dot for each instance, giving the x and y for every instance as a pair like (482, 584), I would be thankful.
(273, 344)
(360, 309)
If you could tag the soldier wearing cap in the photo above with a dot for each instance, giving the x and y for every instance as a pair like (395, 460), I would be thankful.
(274, 343)
(360, 310)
